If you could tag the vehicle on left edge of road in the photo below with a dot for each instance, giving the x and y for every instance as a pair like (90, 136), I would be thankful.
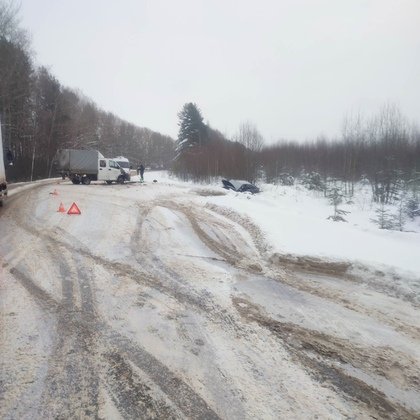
(3, 182)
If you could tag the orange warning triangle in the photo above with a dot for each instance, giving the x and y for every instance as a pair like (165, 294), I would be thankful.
(61, 209)
(74, 209)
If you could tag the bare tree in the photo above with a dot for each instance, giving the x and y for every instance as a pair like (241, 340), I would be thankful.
(249, 136)
(10, 29)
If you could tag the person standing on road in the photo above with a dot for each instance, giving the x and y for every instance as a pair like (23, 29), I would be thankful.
(141, 172)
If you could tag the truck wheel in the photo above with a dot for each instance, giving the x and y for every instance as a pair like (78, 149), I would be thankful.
(109, 182)
(86, 180)
(120, 179)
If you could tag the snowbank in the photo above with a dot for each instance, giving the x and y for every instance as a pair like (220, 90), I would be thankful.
(294, 221)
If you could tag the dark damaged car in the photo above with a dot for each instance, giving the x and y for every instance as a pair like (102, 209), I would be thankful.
(240, 186)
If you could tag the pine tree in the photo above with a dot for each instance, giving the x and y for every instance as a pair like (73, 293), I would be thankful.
(412, 206)
(384, 219)
(191, 129)
(399, 219)
(336, 198)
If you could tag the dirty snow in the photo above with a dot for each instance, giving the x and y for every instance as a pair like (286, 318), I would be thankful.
(159, 303)
(294, 221)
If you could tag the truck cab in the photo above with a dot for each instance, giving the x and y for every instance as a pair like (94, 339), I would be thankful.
(125, 166)
(109, 170)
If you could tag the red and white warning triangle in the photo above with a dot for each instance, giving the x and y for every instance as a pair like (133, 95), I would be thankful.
(74, 209)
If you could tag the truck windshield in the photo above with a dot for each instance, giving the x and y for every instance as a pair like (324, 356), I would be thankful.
(123, 164)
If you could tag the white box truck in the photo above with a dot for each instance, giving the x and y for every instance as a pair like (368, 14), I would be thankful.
(84, 166)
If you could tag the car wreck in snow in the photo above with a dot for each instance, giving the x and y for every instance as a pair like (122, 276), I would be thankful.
(240, 186)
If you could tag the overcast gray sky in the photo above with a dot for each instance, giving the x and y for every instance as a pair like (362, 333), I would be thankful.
(293, 67)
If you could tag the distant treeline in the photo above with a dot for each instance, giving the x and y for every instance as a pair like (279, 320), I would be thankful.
(39, 115)
(383, 150)
(367, 148)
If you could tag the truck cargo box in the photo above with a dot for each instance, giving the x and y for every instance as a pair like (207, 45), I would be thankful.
(78, 161)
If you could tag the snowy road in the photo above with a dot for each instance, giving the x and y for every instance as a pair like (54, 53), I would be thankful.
(155, 304)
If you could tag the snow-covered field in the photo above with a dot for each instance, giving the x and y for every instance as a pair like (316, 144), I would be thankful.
(176, 300)
(294, 221)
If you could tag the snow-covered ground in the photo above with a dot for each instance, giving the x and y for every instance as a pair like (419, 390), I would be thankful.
(294, 221)
(172, 300)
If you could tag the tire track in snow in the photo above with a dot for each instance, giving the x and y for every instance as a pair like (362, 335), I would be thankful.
(331, 374)
(323, 368)
(112, 343)
(325, 356)
(72, 374)
(80, 356)
(290, 267)
(166, 284)
(43, 299)
(71, 388)
(364, 358)
(133, 397)
(174, 285)
(299, 282)
(230, 254)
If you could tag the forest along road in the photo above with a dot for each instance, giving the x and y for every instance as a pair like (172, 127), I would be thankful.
(154, 303)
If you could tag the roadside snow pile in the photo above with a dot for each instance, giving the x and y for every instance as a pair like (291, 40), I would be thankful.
(17, 187)
(295, 221)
